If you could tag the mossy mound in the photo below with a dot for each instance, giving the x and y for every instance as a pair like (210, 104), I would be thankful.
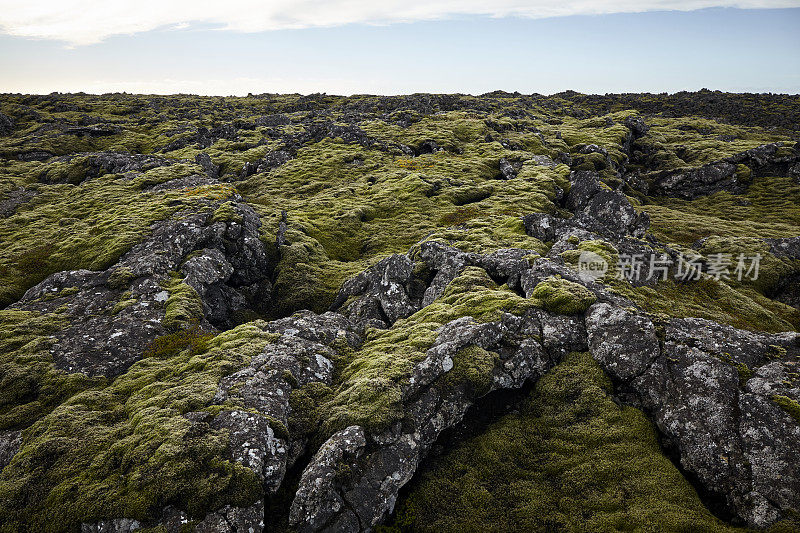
(127, 449)
(563, 297)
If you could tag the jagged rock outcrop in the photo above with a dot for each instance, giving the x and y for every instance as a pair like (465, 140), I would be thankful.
(732, 174)
(354, 480)
(204, 160)
(302, 354)
(265, 164)
(711, 390)
(94, 164)
(119, 311)
(598, 210)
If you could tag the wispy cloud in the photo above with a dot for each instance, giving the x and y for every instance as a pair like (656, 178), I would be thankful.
(83, 22)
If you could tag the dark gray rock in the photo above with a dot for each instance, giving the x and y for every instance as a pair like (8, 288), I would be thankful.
(637, 125)
(303, 354)
(94, 131)
(428, 147)
(10, 441)
(624, 343)
(204, 160)
(722, 175)
(736, 442)
(34, 155)
(788, 247)
(231, 520)
(6, 125)
(115, 314)
(601, 210)
(381, 295)
(507, 170)
(695, 182)
(268, 162)
(14, 199)
(117, 525)
(544, 161)
(318, 505)
(352, 484)
(794, 172)
(100, 163)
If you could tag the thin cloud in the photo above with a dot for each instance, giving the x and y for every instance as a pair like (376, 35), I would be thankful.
(83, 22)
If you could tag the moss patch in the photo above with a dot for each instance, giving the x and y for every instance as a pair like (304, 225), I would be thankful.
(788, 405)
(563, 297)
(127, 450)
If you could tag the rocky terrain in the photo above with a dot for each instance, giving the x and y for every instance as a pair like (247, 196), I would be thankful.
(416, 313)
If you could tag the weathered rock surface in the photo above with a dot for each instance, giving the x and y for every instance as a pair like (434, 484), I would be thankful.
(14, 199)
(723, 424)
(353, 482)
(597, 209)
(10, 442)
(302, 354)
(268, 162)
(204, 160)
(99, 163)
(119, 311)
(724, 174)
(6, 124)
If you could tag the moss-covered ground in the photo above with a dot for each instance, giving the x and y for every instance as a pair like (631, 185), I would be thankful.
(362, 177)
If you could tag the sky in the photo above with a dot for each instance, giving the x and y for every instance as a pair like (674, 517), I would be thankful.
(348, 47)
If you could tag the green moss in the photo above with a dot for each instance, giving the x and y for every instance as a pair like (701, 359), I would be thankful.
(127, 450)
(120, 278)
(788, 405)
(563, 297)
(67, 291)
(769, 208)
(472, 366)
(743, 173)
(67, 227)
(30, 386)
(706, 298)
(124, 302)
(745, 373)
(369, 392)
(194, 340)
(571, 460)
(305, 405)
(741, 303)
(226, 213)
(183, 306)
(344, 217)
(603, 249)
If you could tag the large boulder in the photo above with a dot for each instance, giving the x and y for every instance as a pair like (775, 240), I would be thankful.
(716, 394)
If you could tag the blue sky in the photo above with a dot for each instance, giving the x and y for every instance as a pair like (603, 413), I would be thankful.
(754, 50)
